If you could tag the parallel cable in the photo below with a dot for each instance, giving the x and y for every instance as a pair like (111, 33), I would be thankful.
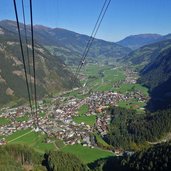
(87, 45)
(34, 68)
(27, 51)
(22, 52)
(98, 26)
(97, 29)
(92, 37)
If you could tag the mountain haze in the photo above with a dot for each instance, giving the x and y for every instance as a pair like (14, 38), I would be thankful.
(137, 41)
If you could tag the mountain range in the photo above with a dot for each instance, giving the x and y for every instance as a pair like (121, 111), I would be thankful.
(157, 77)
(146, 54)
(137, 41)
(153, 62)
(69, 45)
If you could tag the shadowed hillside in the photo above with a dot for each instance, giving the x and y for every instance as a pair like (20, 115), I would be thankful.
(51, 72)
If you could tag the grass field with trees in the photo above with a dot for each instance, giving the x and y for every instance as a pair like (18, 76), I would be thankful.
(86, 154)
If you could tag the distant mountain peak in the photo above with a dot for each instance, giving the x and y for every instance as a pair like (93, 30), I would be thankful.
(137, 41)
(146, 35)
(9, 21)
(37, 26)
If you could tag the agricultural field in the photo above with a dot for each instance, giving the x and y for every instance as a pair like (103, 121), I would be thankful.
(98, 77)
(124, 88)
(75, 94)
(4, 121)
(132, 104)
(87, 154)
(42, 114)
(83, 110)
(31, 138)
(102, 77)
(23, 118)
(113, 75)
(88, 120)
(94, 69)
(17, 134)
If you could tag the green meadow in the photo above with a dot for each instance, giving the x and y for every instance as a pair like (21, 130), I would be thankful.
(32, 139)
(88, 120)
(87, 154)
(4, 121)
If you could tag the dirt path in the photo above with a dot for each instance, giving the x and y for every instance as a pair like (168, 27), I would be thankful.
(164, 139)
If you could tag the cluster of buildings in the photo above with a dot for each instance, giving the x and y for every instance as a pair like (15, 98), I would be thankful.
(102, 124)
(137, 95)
(70, 133)
(68, 108)
(131, 76)
(13, 125)
(58, 119)
(101, 100)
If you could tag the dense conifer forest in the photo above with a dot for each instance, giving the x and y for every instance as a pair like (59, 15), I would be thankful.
(128, 129)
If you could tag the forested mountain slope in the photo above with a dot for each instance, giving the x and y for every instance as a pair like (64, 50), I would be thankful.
(146, 54)
(51, 72)
(157, 76)
(128, 129)
(154, 158)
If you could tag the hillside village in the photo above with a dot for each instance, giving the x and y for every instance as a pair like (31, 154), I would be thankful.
(58, 117)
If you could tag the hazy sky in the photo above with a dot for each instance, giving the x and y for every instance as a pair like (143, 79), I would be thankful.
(123, 18)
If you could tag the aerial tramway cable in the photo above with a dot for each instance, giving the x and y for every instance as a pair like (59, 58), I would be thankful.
(92, 37)
(34, 68)
(27, 52)
(22, 53)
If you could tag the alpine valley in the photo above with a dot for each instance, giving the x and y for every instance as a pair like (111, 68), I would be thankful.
(114, 114)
